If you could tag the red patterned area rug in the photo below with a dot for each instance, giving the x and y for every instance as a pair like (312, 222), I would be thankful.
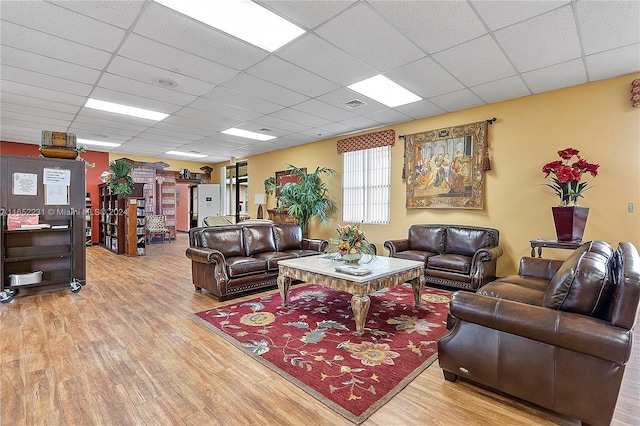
(312, 342)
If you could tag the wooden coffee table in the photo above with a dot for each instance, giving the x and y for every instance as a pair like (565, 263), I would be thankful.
(321, 269)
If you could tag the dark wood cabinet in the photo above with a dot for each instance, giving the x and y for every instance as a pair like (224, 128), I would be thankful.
(52, 251)
(280, 217)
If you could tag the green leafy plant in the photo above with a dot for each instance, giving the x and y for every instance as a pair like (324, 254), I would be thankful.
(307, 196)
(270, 185)
(121, 181)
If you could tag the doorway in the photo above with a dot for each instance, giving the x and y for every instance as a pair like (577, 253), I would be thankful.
(235, 191)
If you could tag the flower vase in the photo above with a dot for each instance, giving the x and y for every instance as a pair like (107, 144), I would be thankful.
(352, 257)
(570, 222)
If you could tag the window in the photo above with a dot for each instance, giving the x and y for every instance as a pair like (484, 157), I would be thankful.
(366, 185)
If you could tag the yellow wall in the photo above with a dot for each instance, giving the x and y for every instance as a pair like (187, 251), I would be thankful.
(595, 118)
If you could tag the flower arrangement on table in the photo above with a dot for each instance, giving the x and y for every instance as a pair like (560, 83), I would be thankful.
(567, 175)
(351, 243)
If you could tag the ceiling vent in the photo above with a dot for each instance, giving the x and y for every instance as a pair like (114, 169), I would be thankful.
(355, 103)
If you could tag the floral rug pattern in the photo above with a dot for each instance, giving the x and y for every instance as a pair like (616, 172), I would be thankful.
(312, 342)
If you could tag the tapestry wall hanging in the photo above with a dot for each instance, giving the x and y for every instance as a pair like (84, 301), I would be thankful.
(444, 168)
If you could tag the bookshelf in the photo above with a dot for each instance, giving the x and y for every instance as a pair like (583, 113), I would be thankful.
(87, 219)
(111, 224)
(136, 222)
(168, 200)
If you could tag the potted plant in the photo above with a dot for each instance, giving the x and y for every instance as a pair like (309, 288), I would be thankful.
(120, 182)
(306, 197)
(270, 185)
(351, 243)
(569, 218)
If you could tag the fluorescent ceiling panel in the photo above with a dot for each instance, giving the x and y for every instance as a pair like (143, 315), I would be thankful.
(243, 19)
(385, 91)
(125, 110)
(185, 154)
(247, 134)
(100, 143)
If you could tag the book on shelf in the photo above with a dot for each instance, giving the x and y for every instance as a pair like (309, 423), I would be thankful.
(59, 226)
(27, 226)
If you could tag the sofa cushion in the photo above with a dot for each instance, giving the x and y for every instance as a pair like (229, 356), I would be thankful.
(420, 256)
(227, 240)
(238, 266)
(426, 238)
(259, 239)
(583, 282)
(466, 241)
(288, 237)
(512, 289)
(274, 257)
(450, 262)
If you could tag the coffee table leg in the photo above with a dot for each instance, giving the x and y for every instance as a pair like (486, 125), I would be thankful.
(284, 284)
(417, 285)
(360, 307)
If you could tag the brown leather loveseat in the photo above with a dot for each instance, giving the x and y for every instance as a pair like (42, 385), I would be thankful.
(235, 259)
(454, 255)
(558, 334)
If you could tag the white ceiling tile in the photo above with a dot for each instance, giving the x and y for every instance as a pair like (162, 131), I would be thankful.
(456, 101)
(43, 16)
(7, 106)
(21, 94)
(224, 110)
(433, 25)
(49, 46)
(361, 32)
(425, 78)
(271, 122)
(562, 75)
(420, 109)
(300, 117)
(284, 73)
(324, 110)
(476, 62)
(546, 40)
(44, 81)
(266, 90)
(389, 116)
(175, 61)
(362, 123)
(607, 25)
(231, 97)
(151, 75)
(499, 13)
(118, 122)
(122, 16)
(318, 56)
(161, 24)
(613, 63)
(499, 90)
(44, 123)
(307, 14)
(144, 90)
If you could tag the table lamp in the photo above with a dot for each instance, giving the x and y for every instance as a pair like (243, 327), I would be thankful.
(260, 198)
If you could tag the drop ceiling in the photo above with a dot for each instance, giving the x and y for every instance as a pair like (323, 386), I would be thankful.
(453, 54)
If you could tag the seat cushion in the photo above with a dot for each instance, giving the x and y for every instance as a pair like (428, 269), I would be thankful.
(514, 291)
(450, 262)
(417, 255)
(273, 258)
(238, 266)
(583, 283)
(466, 241)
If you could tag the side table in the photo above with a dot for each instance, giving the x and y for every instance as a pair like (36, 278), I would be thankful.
(539, 243)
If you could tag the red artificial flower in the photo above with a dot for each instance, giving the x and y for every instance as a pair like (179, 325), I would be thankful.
(551, 167)
(567, 153)
(565, 174)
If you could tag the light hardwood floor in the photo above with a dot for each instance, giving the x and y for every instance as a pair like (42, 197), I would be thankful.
(124, 351)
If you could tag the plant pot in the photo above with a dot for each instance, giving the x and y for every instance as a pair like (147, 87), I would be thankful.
(570, 222)
(352, 257)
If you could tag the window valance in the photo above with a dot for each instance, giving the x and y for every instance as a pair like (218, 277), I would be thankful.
(366, 141)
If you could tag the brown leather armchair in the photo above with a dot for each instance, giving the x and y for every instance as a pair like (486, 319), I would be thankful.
(558, 334)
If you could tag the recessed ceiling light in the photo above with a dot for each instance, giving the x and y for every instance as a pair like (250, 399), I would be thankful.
(100, 143)
(125, 110)
(241, 18)
(166, 82)
(247, 134)
(185, 154)
(385, 91)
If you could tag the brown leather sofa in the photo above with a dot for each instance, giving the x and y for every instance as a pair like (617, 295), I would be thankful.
(454, 255)
(558, 334)
(232, 260)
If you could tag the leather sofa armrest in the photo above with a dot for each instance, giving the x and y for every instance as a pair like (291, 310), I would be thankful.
(566, 330)
(539, 268)
(396, 246)
(315, 244)
(487, 254)
(205, 255)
